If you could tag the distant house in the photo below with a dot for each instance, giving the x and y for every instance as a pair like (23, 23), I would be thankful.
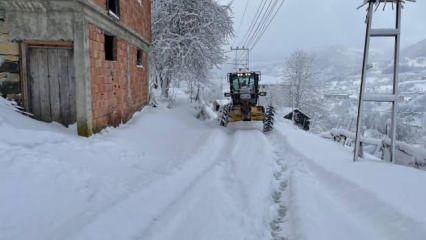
(82, 61)
(301, 119)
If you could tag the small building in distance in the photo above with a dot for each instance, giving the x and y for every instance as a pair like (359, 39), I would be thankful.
(301, 119)
(76, 61)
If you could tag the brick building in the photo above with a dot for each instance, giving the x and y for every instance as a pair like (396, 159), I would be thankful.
(81, 61)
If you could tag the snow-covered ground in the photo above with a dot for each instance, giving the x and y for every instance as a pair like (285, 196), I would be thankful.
(330, 197)
(167, 175)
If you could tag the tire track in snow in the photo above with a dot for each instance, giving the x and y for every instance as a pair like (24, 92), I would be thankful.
(71, 228)
(279, 225)
(219, 205)
(126, 218)
(357, 209)
(248, 177)
(159, 221)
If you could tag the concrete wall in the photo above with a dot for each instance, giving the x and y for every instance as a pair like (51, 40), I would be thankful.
(52, 20)
(40, 20)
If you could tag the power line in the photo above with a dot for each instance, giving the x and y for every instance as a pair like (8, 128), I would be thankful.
(243, 17)
(242, 21)
(265, 28)
(263, 20)
(255, 19)
(252, 24)
(268, 24)
(265, 14)
(264, 23)
(260, 21)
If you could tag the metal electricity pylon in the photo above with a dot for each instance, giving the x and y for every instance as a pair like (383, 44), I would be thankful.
(389, 98)
(242, 58)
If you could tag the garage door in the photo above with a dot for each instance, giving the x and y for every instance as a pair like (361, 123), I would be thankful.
(52, 84)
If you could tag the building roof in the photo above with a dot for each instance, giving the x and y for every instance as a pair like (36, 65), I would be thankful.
(377, 2)
(297, 110)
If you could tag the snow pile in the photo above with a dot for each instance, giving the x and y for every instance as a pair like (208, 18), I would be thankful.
(407, 154)
(334, 198)
(53, 183)
(164, 175)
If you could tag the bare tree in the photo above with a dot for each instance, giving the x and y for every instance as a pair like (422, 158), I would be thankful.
(299, 76)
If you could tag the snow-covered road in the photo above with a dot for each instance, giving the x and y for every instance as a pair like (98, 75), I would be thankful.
(221, 192)
(169, 176)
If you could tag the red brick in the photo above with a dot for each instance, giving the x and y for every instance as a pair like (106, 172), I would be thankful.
(110, 85)
(133, 16)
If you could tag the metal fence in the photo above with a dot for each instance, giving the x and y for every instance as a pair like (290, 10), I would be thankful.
(406, 154)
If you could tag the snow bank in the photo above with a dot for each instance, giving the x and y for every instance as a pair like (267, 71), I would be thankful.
(164, 175)
(52, 183)
(409, 155)
(367, 199)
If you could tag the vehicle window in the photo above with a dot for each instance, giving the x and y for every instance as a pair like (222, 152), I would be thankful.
(247, 81)
(235, 84)
(239, 82)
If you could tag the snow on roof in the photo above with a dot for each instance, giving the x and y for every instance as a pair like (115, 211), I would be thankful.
(387, 1)
(377, 2)
(296, 109)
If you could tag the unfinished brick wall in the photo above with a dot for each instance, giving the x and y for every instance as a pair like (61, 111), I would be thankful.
(134, 14)
(119, 88)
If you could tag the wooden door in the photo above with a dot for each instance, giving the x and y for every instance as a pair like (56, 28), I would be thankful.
(51, 84)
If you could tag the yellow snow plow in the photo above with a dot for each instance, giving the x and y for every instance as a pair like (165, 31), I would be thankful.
(244, 94)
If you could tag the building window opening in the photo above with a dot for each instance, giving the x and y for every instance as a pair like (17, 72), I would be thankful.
(114, 8)
(139, 58)
(110, 48)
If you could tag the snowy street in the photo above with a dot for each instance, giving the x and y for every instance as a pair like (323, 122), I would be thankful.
(199, 182)
(330, 197)
(212, 120)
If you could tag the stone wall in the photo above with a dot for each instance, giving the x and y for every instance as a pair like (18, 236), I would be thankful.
(10, 85)
(119, 88)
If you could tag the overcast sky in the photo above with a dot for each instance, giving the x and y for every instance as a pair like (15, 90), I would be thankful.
(313, 24)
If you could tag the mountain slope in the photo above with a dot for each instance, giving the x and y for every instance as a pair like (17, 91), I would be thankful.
(416, 50)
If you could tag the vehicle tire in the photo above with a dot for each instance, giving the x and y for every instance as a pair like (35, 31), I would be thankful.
(223, 116)
(268, 122)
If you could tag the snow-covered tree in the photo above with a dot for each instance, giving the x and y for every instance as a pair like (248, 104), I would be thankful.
(304, 92)
(188, 37)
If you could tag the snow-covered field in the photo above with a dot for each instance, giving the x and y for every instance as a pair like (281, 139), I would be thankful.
(167, 175)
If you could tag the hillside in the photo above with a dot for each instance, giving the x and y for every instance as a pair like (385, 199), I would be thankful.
(415, 51)
(337, 73)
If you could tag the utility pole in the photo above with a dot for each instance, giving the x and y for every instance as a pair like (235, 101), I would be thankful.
(242, 58)
(393, 98)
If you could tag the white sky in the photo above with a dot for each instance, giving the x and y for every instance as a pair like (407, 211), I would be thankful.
(312, 24)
